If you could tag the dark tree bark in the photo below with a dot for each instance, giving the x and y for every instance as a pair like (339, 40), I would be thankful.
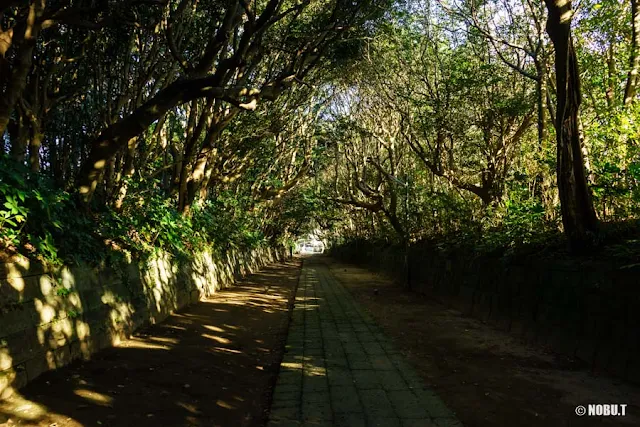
(15, 80)
(634, 59)
(578, 215)
(19, 137)
(128, 171)
(116, 137)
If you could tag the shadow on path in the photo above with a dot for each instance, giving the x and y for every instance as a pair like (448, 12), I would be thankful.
(212, 364)
(340, 369)
(489, 377)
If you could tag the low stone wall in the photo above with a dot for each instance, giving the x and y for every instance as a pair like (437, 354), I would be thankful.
(50, 318)
(586, 310)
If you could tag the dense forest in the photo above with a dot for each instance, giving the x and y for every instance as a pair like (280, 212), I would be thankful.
(173, 124)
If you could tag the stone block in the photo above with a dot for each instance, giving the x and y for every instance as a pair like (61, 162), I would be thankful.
(318, 408)
(20, 346)
(391, 380)
(339, 376)
(20, 267)
(407, 405)
(350, 420)
(366, 379)
(447, 422)
(37, 365)
(313, 384)
(20, 317)
(377, 404)
(11, 380)
(375, 421)
(286, 413)
(345, 399)
(19, 289)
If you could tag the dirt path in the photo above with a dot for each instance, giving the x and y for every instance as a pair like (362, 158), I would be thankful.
(486, 377)
(213, 364)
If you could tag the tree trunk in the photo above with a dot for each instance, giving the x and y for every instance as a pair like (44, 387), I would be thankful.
(116, 136)
(129, 170)
(28, 32)
(34, 148)
(395, 223)
(634, 59)
(196, 179)
(19, 137)
(578, 215)
(540, 94)
(611, 76)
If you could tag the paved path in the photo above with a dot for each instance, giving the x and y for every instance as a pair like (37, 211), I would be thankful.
(340, 370)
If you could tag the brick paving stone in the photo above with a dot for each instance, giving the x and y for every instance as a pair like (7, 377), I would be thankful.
(407, 405)
(286, 395)
(337, 361)
(319, 396)
(373, 349)
(353, 348)
(391, 381)
(312, 384)
(366, 379)
(367, 338)
(339, 369)
(289, 377)
(383, 422)
(284, 423)
(425, 422)
(314, 352)
(376, 404)
(349, 420)
(345, 399)
(285, 412)
(317, 411)
(381, 362)
(340, 376)
(447, 422)
(359, 362)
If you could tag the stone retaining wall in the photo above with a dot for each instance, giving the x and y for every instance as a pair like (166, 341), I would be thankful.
(50, 318)
(585, 310)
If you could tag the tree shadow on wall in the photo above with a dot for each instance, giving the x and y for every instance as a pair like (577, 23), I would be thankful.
(207, 365)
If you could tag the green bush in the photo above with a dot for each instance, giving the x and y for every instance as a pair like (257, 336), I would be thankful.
(32, 212)
(43, 222)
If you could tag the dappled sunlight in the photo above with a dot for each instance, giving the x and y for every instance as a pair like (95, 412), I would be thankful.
(221, 340)
(160, 289)
(14, 274)
(6, 361)
(191, 408)
(227, 350)
(175, 328)
(17, 283)
(23, 409)
(94, 397)
(145, 345)
(233, 327)
(224, 404)
(290, 366)
(150, 343)
(315, 371)
(164, 340)
(78, 312)
(213, 328)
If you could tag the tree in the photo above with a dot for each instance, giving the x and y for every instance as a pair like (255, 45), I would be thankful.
(578, 215)
(255, 53)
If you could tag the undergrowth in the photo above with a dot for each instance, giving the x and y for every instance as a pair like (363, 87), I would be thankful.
(43, 222)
